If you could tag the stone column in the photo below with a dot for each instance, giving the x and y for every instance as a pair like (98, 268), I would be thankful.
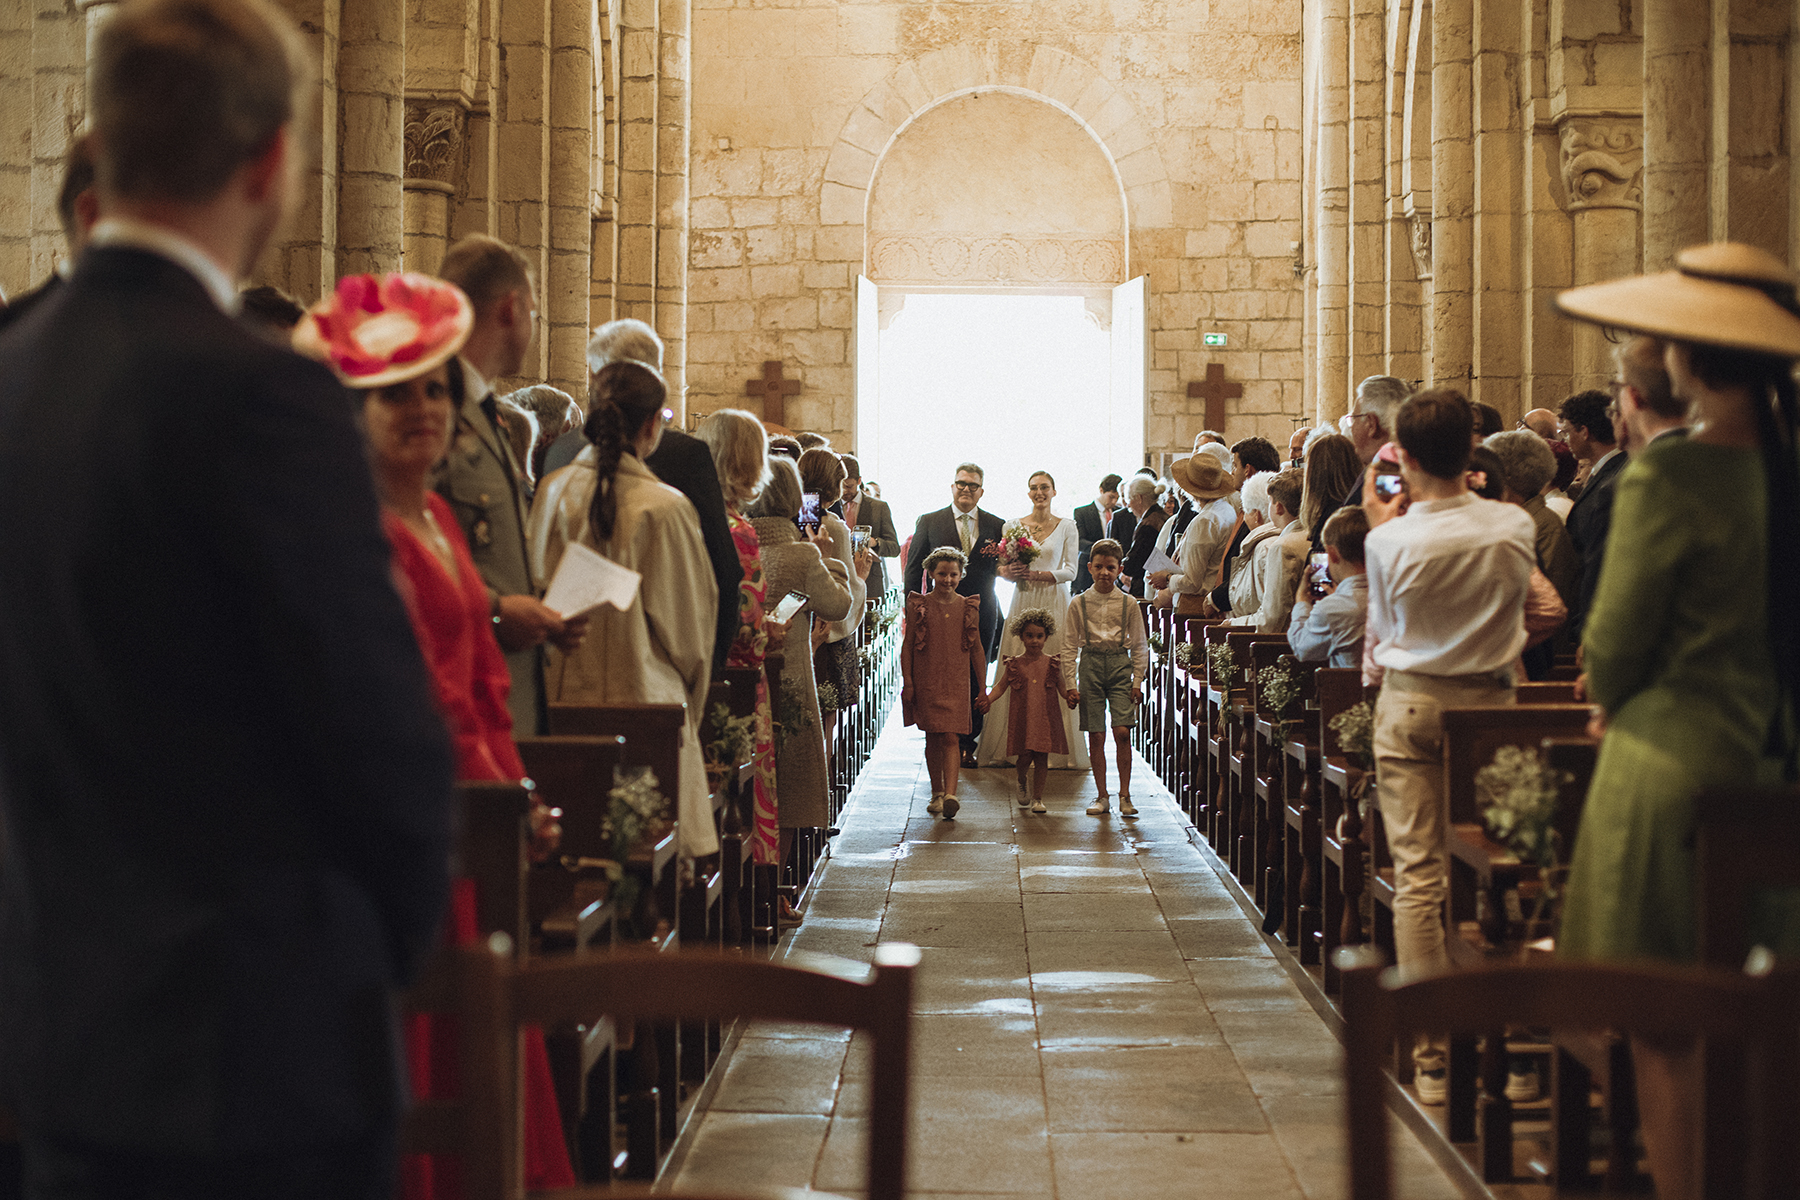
(1677, 127)
(1368, 174)
(1331, 196)
(1453, 193)
(634, 286)
(1406, 351)
(1495, 287)
(522, 174)
(1602, 169)
(565, 300)
(304, 261)
(16, 119)
(58, 105)
(673, 121)
(434, 153)
(372, 154)
(1749, 130)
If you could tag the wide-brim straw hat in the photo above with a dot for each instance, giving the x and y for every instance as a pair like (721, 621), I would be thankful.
(375, 331)
(1202, 478)
(1722, 294)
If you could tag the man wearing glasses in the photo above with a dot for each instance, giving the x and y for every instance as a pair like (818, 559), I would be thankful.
(968, 528)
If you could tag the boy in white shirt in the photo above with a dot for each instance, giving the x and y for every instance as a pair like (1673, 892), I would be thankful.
(1106, 648)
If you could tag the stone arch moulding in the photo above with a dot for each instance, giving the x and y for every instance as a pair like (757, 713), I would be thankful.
(1049, 75)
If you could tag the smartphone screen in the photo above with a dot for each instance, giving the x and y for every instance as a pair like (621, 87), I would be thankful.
(859, 537)
(1389, 485)
(790, 604)
(1319, 571)
(809, 511)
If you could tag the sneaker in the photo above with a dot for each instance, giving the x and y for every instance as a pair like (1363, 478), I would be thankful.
(1522, 1079)
(1099, 807)
(1037, 808)
(1126, 808)
(1431, 1085)
(1024, 797)
(937, 804)
(951, 807)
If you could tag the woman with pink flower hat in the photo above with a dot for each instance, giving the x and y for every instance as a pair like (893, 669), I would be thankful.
(394, 339)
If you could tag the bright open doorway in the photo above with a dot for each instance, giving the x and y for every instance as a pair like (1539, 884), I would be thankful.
(1015, 382)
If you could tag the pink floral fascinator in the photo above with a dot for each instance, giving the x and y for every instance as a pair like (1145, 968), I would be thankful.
(375, 331)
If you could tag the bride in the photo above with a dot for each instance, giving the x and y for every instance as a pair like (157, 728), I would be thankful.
(1044, 584)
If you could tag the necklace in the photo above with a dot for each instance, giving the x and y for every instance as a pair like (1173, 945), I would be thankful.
(438, 543)
(1040, 532)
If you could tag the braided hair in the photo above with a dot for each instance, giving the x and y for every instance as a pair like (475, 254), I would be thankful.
(623, 395)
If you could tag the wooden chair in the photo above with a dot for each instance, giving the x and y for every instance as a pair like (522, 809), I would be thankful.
(492, 996)
(1749, 1128)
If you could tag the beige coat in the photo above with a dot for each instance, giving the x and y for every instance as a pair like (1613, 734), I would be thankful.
(659, 651)
(791, 565)
(859, 590)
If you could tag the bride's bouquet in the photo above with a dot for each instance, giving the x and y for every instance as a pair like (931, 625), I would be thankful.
(1015, 547)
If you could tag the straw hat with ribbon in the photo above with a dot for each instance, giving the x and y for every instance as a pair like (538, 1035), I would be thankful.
(1202, 478)
(375, 331)
(1722, 294)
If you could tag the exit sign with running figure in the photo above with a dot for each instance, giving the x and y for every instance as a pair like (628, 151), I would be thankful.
(1212, 339)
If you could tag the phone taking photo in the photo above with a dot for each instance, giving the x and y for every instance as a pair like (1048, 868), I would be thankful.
(809, 517)
(1318, 574)
(1388, 484)
(790, 604)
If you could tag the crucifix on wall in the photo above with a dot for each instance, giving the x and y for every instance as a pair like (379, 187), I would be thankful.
(1216, 391)
(774, 391)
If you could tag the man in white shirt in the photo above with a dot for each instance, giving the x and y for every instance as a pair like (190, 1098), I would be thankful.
(1448, 574)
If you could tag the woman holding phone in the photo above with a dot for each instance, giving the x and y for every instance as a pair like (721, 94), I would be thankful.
(791, 563)
(834, 651)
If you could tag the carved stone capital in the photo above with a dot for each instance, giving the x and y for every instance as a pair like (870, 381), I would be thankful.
(434, 141)
(1603, 161)
(1421, 244)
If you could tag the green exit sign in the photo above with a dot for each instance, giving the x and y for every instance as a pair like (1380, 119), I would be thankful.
(1212, 339)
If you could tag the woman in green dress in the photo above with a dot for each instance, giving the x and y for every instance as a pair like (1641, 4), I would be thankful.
(1690, 645)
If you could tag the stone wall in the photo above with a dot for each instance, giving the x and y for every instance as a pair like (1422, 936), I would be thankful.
(1197, 106)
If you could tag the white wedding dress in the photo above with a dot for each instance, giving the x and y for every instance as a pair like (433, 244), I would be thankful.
(1062, 549)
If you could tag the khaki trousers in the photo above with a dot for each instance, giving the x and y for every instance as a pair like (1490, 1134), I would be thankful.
(1409, 774)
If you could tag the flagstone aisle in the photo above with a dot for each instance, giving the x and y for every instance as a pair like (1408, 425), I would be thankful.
(1096, 1017)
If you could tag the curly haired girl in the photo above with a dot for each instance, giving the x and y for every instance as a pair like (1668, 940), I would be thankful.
(1034, 726)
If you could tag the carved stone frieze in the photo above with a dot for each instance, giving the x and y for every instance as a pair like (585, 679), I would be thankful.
(988, 259)
(434, 141)
(1603, 162)
(1421, 244)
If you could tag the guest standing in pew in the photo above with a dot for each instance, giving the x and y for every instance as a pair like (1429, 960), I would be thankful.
(834, 649)
(225, 791)
(483, 477)
(1692, 646)
(1448, 575)
(1588, 430)
(1241, 591)
(1326, 625)
(739, 446)
(1140, 497)
(863, 507)
(1201, 548)
(1527, 467)
(659, 650)
(409, 412)
(798, 561)
(1545, 612)
(679, 461)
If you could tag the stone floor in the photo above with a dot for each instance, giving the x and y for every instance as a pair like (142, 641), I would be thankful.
(1096, 1017)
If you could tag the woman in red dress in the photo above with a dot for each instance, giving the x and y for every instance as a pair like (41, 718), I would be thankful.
(395, 339)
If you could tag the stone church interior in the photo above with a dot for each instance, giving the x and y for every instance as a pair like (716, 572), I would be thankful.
(1419, 377)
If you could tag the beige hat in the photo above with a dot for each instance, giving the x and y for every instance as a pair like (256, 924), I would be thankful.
(1723, 294)
(1202, 478)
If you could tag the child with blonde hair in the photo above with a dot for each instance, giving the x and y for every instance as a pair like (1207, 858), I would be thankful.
(1034, 725)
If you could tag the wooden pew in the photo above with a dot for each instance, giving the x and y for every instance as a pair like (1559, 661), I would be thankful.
(1317, 897)
(1241, 818)
(1268, 745)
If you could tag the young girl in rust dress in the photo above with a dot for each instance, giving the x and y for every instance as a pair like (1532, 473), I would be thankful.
(1034, 720)
(941, 663)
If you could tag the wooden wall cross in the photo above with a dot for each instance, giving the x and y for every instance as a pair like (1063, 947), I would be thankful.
(1216, 392)
(774, 390)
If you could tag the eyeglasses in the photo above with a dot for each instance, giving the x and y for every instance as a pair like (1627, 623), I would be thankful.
(963, 485)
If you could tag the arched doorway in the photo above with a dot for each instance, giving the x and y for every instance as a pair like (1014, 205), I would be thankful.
(995, 322)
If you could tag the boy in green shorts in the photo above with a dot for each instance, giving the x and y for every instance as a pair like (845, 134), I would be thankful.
(1106, 648)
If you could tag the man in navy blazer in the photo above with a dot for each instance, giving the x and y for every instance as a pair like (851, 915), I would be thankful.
(1587, 426)
(224, 787)
(969, 528)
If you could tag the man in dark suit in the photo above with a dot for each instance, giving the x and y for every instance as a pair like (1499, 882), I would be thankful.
(861, 508)
(966, 526)
(1104, 517)
(77, 209)
(1587, 426)
(681, 461)
(223, 781)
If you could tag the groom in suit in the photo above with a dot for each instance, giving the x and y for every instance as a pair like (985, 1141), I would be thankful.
(967, 527)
